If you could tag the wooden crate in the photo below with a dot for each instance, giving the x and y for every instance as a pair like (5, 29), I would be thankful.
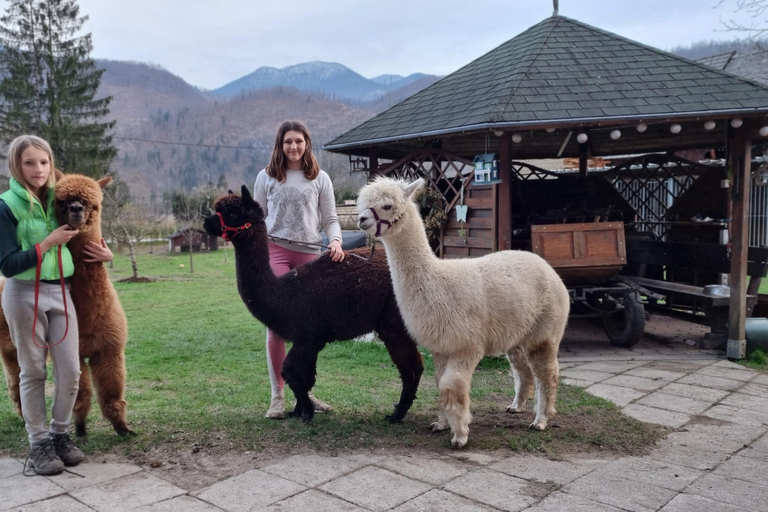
(587, 253)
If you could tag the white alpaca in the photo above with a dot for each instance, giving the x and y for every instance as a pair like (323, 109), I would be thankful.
(508, 302)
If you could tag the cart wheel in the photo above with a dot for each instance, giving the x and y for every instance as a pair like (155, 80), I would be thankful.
(624, 328)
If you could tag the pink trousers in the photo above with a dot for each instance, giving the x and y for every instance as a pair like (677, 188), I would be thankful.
(281, 260)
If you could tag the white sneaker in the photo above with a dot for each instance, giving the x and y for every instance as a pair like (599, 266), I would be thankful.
(318, 405)
(276, 408)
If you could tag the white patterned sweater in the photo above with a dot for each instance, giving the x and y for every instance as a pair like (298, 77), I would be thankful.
(296, 209)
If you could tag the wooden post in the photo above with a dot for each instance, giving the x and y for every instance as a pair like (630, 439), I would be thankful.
(373, 161)
(504, 211)
(739, 160)
(583, 163)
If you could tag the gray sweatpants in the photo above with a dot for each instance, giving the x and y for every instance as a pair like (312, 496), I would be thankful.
(19, 308)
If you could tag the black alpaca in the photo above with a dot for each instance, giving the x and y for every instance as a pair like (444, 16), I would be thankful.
(316, 303)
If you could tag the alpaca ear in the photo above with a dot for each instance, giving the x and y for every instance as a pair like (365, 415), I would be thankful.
(59, 174)
(103, 182)
(411, 188)
(246, 194)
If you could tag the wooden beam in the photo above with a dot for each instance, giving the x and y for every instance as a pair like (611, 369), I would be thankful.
(583, 156)
(739, 148)
(373, 160)
(504, 214)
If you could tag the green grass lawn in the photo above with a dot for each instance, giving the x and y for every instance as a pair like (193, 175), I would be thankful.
(198, 380)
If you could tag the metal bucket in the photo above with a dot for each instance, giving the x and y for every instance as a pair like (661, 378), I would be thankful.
(756, 333)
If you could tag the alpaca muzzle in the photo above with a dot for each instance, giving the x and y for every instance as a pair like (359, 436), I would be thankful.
(379, 222)
(228, 232)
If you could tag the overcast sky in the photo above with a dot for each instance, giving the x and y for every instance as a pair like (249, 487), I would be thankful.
(209, 43)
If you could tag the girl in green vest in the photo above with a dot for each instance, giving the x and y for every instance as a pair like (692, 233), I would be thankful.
(28, 229)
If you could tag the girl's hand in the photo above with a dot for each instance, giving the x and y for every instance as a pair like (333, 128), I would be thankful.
(59, 236)
(97, 253)
(337, 253)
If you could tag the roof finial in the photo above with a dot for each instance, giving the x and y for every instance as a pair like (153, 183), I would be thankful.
(556, 2)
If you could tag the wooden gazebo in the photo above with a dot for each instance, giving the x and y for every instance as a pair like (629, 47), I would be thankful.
(564, 89)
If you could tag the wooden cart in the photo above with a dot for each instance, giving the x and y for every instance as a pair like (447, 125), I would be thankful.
(588, 257)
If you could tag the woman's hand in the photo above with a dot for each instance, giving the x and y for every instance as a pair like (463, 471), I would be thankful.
(97, 253)
(59, 236)
(337, 253)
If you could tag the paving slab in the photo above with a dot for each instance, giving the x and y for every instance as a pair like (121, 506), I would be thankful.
(435, 471)
(18, 490)
(708, 381)
(562, 501)
(619, 395)
(746, 401)
(732, 491)
(658, 416)
(692, 503)
(247, 491)
(695, 392)
(684, 366)
(314, 501)
(620, 492)
(545, 470)
(132, 491)
(761, 378)
(670, 476)
(758, 448)
(496, 489)
(576, 382)
(692, 457)
(180, 504)
(675, 403)
(613, 367)
(753, 388)
(57, 504)
(639, 383)
(738, 415)
(10, 467)
(375, 488)
(655, 374)
(478, 458)
(313, 470)
(92, 474)
(740, 373)
(748, 469)
(438, 500)
(716, 435)
(585, 375)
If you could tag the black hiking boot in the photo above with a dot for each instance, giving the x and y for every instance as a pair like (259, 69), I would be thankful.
(43, 459)
(66, 450)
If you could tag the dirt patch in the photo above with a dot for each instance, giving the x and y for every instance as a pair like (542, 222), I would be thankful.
(137, 280)
(493, 433)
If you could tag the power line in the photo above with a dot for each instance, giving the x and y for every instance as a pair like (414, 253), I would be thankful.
(191, 144)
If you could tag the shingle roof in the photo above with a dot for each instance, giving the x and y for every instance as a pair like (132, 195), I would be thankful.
(561, 71)
(752, 65)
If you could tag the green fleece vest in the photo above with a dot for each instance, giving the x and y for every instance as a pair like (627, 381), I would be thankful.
(34, 225)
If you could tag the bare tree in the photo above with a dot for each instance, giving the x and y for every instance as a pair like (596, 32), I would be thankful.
(128, 221)
(190, 210)
(755, 9)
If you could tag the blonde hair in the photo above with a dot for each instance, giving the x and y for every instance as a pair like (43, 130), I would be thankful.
(15, 150)
(278, 164)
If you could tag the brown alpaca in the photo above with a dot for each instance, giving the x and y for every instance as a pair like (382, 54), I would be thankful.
(100, 317)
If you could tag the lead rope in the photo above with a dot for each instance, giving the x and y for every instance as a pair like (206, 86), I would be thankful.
(323, 246)
(37, 293)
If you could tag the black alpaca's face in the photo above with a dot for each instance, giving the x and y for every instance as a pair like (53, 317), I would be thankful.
(233, 211)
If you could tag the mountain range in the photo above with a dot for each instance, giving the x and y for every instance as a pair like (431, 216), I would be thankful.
(172, 135)
(333, 79)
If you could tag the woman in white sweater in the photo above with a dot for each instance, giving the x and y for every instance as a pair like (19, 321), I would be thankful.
(297, 198)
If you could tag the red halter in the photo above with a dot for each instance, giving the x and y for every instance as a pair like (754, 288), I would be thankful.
(225, 230)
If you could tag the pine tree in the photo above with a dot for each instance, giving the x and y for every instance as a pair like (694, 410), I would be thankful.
(50, 82)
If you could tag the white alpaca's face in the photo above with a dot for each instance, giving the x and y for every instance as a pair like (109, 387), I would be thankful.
(382, 203)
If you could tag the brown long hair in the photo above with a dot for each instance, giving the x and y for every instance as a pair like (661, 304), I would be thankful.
(278, 164)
